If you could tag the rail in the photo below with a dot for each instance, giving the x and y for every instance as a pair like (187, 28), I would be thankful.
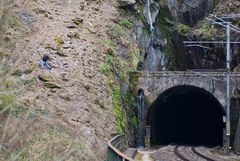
(116, 146)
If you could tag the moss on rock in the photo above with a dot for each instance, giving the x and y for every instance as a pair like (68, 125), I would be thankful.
(52, 85)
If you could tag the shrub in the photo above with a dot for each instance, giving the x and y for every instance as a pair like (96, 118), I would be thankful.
(126, 23)
(181, 28)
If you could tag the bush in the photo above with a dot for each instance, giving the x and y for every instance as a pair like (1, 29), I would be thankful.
(181, 28)
(126, 23)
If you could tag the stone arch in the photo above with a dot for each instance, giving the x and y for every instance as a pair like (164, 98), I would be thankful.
(165, 105)
(155, 86)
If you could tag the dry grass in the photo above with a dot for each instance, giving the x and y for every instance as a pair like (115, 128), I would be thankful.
(28, 134)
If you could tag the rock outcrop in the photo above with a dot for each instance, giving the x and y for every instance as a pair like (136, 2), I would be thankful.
(126, 3)
(190, 11)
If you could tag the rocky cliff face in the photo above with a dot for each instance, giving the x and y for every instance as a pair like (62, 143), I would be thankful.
(190, 12)
(175, 22)
(150, 38)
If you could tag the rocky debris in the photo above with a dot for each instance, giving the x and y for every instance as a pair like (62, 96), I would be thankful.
(3, 52)
(30, 69)
(18, 72)
(48, 81)
(40, 11)
(78, 21)
(91, 31)
(52, 85)
(73, 35)
(126, 3)
(27, 17)
(66, 97)
(61, 53)
(72, 25)
(45, 78)
(61, 37)
(66, 46)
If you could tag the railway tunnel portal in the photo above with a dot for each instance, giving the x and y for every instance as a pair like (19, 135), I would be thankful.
(186, 108)
(186, 115)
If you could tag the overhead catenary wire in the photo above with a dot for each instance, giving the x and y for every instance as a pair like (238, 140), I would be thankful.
(231, 25)
(222, 24)
(210, 42)
(228, 42)
(197, 45)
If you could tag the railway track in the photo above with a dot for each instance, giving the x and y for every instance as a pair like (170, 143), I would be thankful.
(179, 155)
(189, 154)
(201, 155)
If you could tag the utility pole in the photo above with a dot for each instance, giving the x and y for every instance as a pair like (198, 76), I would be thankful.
(229, 27)
(228, 89)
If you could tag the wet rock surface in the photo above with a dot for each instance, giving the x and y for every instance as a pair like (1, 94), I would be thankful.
(126, 3)
(190, 11)
(163, 48)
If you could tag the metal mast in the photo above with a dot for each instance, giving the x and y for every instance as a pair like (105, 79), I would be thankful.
(229, 27)
(228, 89)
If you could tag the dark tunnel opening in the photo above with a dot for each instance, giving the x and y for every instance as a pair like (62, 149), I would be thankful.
(186, 115)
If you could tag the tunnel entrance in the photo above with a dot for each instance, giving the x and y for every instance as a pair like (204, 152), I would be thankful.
(186, 115)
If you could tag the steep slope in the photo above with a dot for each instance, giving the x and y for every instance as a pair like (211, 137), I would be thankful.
(66, 112)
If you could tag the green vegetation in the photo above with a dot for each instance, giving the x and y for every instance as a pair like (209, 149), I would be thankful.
(119, 30)
(51, 143)
(106, 67)
(9, 31)
(126, 23)
(20, 72)
(117, 68)
(162, 21)
(117, 109)
(10, 27)
(8, 83)
(9, 105)
(3, 52)
(134, 121)
(58, 40)
(109, 44)
(203, 29)
(148, 102)
(29, 134)
(135, 58)
(140, 16)
(166, 30)
(6, 99)
(183, 29)
(30, 82)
